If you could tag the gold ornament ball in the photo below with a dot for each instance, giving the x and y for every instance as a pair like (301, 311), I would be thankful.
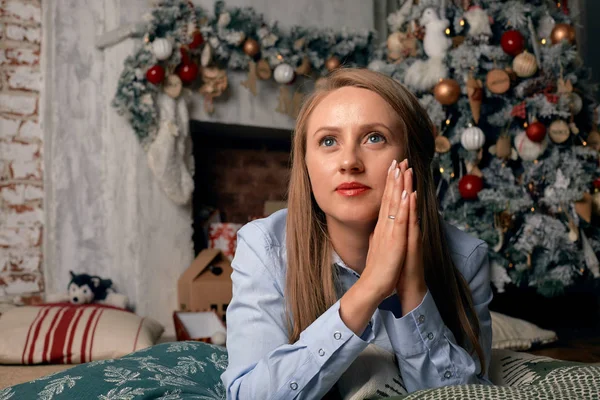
(559, 131)
(562, 32)
(442, 144)
(593, 140)
(251, 47)
(332, 63)
(447, 92)
(503, 147)
(525, 65)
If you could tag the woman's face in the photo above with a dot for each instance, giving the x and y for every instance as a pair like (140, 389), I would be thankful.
(353, 135)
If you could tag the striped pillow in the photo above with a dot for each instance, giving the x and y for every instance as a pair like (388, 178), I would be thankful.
(66, 333)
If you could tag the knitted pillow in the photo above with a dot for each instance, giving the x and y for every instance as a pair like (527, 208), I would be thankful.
(65, 333)
(517, 334)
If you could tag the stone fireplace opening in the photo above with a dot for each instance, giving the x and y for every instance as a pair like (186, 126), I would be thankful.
(238, 168)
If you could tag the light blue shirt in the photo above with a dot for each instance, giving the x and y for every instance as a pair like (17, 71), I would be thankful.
(263, 365)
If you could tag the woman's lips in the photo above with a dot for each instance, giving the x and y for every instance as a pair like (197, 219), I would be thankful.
(353, 191)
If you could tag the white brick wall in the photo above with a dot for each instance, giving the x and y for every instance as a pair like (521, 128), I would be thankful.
(21, 189)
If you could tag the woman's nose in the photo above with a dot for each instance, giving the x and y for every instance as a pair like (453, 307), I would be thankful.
(350, 161)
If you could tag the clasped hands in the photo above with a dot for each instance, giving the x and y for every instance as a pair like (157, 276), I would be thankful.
(395, 257)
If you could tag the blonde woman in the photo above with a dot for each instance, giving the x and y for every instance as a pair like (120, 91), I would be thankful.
(361, 259)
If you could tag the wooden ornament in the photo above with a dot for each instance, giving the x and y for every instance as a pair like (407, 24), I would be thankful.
(442, 144)
(562, 32)
(525, 65)
(497, 81)
(503, 147)
(583, 207)
(475, 94)
(172, 86)
(250, 82)
(206, 56)
(304, 68)
(401, 45)
(251, 47)
(332, 63)
(284, 104)
(263, 70)
(447, 92)
(593, 140)
(559, 131)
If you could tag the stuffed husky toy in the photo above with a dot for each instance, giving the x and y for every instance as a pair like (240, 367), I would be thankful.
(84, 289)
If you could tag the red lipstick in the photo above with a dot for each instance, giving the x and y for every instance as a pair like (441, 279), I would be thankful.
(352, 189)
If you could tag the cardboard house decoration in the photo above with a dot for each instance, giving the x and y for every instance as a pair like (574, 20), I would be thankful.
(206, 284)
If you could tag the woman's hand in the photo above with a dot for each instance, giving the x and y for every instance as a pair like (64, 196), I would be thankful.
(411, 286)
(389, 241)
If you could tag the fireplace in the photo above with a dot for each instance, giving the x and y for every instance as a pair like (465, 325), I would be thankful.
(238, 168)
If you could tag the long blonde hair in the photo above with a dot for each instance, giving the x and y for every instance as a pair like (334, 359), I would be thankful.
(310, 286)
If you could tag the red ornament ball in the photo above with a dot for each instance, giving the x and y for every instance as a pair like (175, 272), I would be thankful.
(187, 72)
(155, 74)
(197, 40)
(185, 57)
(597, 183)
(512, 42)
(469, 186)
(536, 132)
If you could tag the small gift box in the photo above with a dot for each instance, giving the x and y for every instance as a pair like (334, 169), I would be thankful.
(223, 236)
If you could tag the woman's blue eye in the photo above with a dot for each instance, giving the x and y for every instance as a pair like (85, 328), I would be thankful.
(327, 141)
(378, 138)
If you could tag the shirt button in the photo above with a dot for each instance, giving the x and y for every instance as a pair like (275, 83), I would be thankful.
(321, 352)
(447, 374)
(337, 335)
(430, 336)
(293, 386)
(421, 318)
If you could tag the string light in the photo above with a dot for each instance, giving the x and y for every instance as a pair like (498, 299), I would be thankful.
(279, 57)
(447, 31)
(559, 209)
(462, 22)
(448, 121)
(452, 175)
(510, 265)
(503, 165)
(544, 41)
(581, 270)
(535, 161)
(441, 170)
(532, 209)
(558, 4)
(525, 125)
(584, 143)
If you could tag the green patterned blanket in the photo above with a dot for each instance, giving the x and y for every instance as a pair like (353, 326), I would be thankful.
(191, 370)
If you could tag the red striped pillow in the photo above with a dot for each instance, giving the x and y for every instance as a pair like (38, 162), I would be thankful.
(71, 334)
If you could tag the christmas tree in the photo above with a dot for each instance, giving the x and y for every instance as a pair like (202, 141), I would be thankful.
(517, 142)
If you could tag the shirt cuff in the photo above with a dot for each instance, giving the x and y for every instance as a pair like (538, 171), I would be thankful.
(328, 333)
(417, 331)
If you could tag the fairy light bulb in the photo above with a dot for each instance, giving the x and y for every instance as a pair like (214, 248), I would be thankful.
(544, 41)
(525, 125)
(452, 175)
(441, 170)
(462, 22)
(448, 121)
(447, 31)
(532, 209)
(584, 143)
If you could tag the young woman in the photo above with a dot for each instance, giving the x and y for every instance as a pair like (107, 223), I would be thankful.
(360, 258)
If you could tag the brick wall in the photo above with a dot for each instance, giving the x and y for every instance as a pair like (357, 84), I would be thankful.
(21, 189)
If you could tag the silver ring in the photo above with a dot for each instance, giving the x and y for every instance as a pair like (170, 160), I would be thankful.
(391, 216)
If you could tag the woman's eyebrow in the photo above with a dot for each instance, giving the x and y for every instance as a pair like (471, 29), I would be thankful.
(373, 125)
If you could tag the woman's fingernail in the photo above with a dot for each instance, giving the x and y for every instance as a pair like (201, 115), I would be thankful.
(404, 194)
(397, 173)
(415, 194)
(411, 170)
(392, 166)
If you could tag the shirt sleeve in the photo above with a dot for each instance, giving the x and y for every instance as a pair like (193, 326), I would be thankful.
(262, 364)
(428, 354)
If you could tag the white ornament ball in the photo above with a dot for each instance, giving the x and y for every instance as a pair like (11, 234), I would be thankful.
(575, 103)
(284, 73)
(525, 65)
(527, 149)
(472, 138)
(162, 48)
(218, 339)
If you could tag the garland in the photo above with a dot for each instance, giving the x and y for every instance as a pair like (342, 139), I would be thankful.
(184, 47)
